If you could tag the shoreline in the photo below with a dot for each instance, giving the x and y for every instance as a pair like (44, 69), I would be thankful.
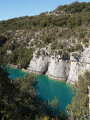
(60, 80)
(49, 76)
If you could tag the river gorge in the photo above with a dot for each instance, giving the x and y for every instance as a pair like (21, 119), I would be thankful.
(48, 89)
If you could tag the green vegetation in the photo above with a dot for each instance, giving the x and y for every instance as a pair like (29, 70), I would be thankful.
(85, 40)
(3, 39)
(66, 29)
(79, 108)
(21, 56)
(65, 55)
(75, 7)
(18, 100)
(76, 55)
(72, 15)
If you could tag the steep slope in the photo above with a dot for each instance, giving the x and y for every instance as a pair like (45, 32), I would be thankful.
(56, 43)
(79, 66)
(64, 70)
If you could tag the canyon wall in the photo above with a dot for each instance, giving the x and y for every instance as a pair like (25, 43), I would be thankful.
(38, 65)
(79, 66)
(58, 69)
(64, 70)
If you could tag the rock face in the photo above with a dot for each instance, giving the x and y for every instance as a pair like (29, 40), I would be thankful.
(57, 68)
(78, 67)
(38, 65)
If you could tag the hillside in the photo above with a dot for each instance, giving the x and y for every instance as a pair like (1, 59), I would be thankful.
(64, 32)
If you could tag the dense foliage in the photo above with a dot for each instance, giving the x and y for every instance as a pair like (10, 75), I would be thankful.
(3, 39)
(19, 101)
(75, 7)
(79, 108)
(77, 18)
(21, 56)
(64, 30)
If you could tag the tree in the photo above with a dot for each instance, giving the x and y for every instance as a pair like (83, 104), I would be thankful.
(3, 39)
(79, 107)
(18, 100)
(17, 97)
(7, 90)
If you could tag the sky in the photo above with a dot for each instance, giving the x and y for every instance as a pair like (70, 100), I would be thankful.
(17, 8)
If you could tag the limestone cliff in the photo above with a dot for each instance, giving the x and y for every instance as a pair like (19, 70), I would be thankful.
(57, 68)
(38, 65)
(78, 67)
(46, 43)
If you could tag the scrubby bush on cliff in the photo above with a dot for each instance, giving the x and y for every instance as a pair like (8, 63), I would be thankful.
(85, 40)
(76, 56)
(78, 47)
(38, 54)
(86, 45)
(21, 56)
(71, 49)
(54, 45)
(65, 55)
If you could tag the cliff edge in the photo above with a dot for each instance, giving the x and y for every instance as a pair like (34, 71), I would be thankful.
(64, 70)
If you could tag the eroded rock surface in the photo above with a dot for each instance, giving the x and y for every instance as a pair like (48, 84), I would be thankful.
(80, 66)
(38, 65)
(57, 68)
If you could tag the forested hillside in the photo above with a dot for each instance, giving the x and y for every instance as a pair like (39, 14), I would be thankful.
(19, 101)
(63, 31)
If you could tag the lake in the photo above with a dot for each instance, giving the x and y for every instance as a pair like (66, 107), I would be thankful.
(48, 89)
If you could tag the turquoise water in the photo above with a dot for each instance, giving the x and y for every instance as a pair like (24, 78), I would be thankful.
(48, 89)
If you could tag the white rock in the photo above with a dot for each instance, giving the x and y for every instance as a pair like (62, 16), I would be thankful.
(9, 52)
(78, 68)
(38, 65)
(58, 69)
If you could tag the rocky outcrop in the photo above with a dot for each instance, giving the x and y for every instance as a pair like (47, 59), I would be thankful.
(79, 66)
(58, 69)
(65, 70)
(38, 65)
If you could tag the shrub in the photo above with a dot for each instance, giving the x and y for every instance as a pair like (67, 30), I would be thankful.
(65, 55)
(60, 45)
(76, 56)
(59, 52)
(54, 45)
(71, 49)
(43, 52)
(85, 40)
(78, 47)
(86, 45)
(38, 53)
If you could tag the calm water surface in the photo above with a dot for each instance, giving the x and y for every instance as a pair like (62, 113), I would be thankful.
(47, 88)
